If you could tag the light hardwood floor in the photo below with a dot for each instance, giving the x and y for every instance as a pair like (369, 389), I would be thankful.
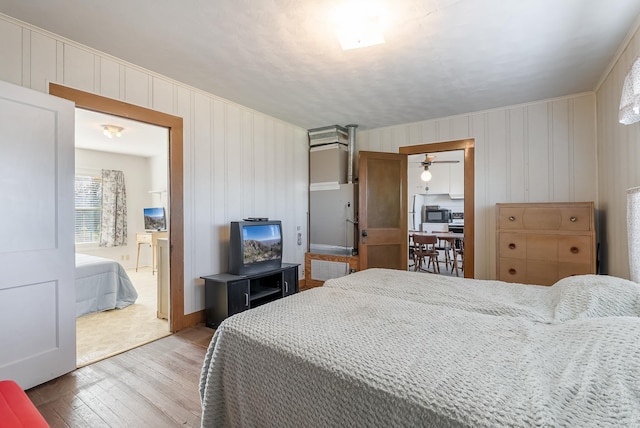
(155, 385)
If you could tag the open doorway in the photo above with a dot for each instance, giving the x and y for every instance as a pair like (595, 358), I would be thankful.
(121, 286)
(177, 318)
(468, 147)
(435, 194)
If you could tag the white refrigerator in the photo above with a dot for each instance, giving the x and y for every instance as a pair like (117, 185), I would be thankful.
(415, 211)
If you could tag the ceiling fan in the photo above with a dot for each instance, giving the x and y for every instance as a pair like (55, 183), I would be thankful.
(428, 160)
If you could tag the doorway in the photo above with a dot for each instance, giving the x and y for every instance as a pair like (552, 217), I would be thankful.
(468, 147)
(139, 153)
(174, 124)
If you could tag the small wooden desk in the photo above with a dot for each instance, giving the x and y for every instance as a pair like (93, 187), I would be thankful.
(150, 238)
(449, 237)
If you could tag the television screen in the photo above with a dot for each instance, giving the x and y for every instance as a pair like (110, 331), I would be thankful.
(262, 242)
(154, 219)
(255, 246)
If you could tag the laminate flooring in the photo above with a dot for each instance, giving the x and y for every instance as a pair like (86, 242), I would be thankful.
(154, 385)
(103, 334)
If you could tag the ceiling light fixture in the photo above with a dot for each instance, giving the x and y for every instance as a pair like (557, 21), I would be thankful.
(358, 24)
(112, 130)
(426, 174)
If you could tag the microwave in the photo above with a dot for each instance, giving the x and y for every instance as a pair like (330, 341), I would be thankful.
(430, 215)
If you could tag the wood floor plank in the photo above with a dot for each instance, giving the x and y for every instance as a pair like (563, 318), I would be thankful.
(50, 414)
(153, 385)
(179, 388)
(167, 366)
(136, 406)
(75, 412)
(109, 409)
(147, 391)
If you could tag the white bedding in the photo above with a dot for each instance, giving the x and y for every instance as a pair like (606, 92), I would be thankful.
(101, 284)
(384, 348)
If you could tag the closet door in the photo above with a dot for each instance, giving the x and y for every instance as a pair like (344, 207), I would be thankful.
(37, 292)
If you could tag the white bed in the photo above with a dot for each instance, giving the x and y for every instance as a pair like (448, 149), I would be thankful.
(383, 348)
(101, 284)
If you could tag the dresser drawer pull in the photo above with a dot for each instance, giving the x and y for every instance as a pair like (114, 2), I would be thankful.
(573, 219)
(512, 246)
(512, 218)
(512, 271)
(575, 250)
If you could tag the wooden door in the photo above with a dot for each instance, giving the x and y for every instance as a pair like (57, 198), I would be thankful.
(382, 219)
(37, 285)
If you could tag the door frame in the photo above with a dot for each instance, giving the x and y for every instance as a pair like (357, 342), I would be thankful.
(468, 145)
(177, 319)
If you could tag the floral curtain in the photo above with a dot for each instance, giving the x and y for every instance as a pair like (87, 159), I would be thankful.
(113, 230)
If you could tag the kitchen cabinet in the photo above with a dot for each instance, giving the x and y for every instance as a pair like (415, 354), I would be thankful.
(447, 178)
(440, 179)
(456, 179)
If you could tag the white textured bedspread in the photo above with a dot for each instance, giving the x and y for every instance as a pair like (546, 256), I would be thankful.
(101, 284)
(383, 348)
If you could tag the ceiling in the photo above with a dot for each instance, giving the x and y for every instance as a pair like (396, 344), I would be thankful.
(281, 57)
(138, 138)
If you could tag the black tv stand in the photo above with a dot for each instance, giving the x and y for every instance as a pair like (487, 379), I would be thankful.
(226, 294)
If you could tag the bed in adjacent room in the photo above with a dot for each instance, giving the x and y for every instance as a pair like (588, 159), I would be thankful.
(101, 284)
(382, 348)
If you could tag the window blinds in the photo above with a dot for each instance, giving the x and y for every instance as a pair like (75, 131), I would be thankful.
(88, 203)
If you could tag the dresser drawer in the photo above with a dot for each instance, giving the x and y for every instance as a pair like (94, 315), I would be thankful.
(512, 270)
(542, 247)
(577, 218)
(570, 269)
(542, 272)
(538, 272)
(575, 249)
(565, 218)
(510, 217)
(513, 245)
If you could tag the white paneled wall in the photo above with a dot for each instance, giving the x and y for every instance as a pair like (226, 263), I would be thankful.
(618, 162)
(538, 152)
(237, 162)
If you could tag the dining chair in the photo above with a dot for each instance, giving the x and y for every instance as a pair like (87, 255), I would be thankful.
(424, 251)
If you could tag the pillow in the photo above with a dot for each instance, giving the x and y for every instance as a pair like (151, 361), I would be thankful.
(594, 296)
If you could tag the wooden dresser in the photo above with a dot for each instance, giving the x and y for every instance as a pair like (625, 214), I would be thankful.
(540, 243)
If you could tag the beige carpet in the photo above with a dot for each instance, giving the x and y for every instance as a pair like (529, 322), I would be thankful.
(104, 334)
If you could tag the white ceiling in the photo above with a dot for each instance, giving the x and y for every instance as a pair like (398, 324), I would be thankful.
(281, 57)
(138, 139)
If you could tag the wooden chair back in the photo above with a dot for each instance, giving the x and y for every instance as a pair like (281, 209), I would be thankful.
(427, 240)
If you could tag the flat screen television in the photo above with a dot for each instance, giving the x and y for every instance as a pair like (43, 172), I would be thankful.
(255, 246)
(155, 219)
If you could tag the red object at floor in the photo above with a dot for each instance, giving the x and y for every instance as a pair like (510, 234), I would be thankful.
(16, 410)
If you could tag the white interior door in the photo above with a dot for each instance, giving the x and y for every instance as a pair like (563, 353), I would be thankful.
(37, 292)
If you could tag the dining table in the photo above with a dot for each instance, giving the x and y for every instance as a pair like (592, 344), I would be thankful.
(451, 238)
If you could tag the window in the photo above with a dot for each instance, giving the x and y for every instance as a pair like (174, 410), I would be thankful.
(88, 202)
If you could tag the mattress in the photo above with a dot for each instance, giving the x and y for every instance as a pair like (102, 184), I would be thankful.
(101, 284)
(383, 348)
